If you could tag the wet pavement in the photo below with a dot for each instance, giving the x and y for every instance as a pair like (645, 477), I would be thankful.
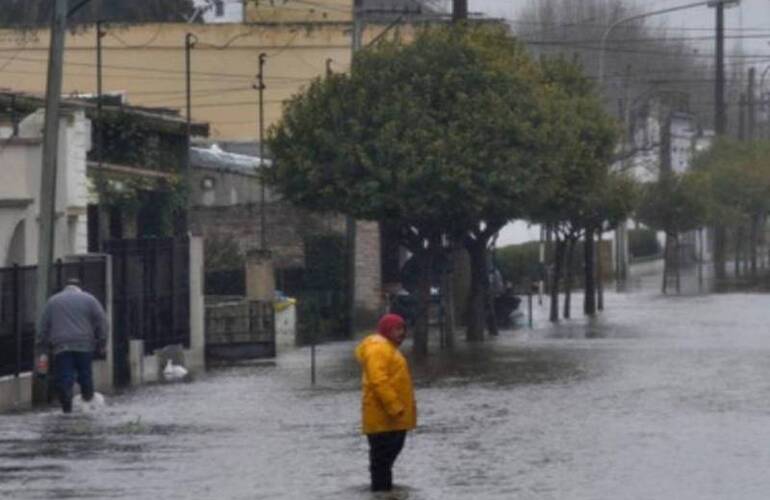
(658, 398)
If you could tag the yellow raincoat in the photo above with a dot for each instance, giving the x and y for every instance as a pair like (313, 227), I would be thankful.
(388, 397)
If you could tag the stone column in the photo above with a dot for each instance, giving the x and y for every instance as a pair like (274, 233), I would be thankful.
(260, 276)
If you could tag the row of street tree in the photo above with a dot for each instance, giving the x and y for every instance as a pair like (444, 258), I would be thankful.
(448, 138)
(727, 189)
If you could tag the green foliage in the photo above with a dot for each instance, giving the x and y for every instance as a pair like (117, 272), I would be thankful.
(675, 203)
(519, 264)
(738, 178)
(323, 306)
(222, 252)
(580, 139)
(325, 262)
(643, 243)
(437, 134)
(158, 199)
(129, 140)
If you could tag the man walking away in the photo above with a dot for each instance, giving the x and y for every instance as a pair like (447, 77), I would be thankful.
(388, 405)
(73, 325)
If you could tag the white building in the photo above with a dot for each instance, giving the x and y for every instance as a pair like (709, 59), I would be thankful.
(20, 168)
(219, 11)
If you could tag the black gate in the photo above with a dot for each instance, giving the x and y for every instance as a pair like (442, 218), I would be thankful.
(18, 310)
(151, 296)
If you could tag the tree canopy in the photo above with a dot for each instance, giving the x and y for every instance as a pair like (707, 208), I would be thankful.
(439, 132)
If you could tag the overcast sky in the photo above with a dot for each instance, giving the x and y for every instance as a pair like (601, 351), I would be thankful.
(750, 16)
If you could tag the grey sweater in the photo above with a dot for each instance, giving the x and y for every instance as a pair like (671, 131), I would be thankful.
(72, 320)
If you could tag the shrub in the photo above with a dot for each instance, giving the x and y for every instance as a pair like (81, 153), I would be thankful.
(643, 243)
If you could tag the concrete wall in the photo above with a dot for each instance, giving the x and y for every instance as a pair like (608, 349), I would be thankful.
(16, 393)
(20, 166)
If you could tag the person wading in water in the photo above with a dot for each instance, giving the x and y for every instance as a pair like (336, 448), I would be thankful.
(388, 405)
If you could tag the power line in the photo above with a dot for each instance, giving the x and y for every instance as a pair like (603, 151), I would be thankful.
(217, 75)
(654, 39)
(628, 27)
(644, 51)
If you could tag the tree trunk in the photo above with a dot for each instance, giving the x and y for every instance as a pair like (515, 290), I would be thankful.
(589, 302)
(570, 268)
(677, 251)
(557, 263)
(448, 307)
(599, 272)
(720, 268)
(477, 297)
(425, 261)
(737, 259)
(666, 258)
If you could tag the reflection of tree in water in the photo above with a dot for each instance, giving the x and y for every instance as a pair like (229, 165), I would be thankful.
(501, 366)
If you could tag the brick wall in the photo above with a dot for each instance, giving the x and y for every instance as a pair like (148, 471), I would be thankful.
(286, 227)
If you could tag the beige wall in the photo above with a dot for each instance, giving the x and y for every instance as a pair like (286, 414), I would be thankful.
(148, 63)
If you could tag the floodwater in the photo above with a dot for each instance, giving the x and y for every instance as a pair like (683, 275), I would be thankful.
(658, 398)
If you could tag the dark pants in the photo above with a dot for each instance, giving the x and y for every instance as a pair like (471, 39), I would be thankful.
(68, 365)
(384, 447)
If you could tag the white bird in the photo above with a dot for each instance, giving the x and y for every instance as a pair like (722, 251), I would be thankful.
(174, 372)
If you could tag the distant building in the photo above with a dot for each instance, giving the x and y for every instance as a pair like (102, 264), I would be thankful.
(664, 135)
(143, 158)
(219, 11)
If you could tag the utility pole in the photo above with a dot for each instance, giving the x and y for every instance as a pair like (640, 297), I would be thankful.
(189, 43)
(752, 103)
(350, 222)
(262, 193)
(720, 127)
(720, 114)
(99, 90)
(47, 201)
(190, 40)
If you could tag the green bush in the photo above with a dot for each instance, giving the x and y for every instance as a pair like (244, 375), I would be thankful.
(322, 305)
(519, 264)
(643, 243)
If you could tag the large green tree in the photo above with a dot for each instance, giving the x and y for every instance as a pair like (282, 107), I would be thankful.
(739, 178)
(438, 137)
(578, 149)
(674, 204)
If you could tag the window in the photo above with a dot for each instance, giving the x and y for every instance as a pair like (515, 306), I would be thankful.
(219, 8)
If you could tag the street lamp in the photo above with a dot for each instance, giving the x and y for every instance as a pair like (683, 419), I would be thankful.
(709, 3)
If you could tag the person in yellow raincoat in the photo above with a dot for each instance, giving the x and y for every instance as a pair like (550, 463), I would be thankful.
(388, 405)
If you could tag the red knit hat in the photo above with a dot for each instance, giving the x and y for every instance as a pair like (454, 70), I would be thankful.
(388, 323)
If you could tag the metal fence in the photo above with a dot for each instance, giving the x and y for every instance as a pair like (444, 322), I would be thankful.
(151, 296)
(18, 310)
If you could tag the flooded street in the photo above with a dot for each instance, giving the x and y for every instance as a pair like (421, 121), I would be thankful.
(659, 398)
